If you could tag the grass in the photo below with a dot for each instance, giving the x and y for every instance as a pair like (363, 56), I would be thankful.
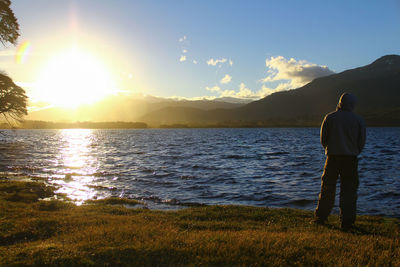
(34, 232)
(114, 201)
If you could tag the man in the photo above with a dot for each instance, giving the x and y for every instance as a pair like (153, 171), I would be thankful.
(343, 137)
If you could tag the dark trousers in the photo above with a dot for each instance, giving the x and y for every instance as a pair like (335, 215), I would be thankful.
(345, 167)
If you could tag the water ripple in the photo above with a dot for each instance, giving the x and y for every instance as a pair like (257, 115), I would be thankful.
(175, 167)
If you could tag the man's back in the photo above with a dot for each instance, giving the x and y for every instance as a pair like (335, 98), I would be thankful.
(342, 131)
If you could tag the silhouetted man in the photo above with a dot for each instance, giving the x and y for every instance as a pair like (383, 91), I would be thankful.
(343, 137)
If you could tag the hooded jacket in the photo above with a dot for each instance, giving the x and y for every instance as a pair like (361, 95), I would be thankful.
(342, 131)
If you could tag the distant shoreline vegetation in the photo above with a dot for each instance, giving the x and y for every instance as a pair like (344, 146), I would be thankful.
(31, 124)
(240, 124)
(28, 124)
(76, 125)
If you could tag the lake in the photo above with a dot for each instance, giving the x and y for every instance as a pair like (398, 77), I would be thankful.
(172, 168)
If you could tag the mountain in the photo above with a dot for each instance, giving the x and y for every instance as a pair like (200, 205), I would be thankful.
(376, 86)
(234, 100)
(126, 108)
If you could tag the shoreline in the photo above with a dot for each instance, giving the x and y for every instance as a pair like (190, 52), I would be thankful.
(188, 127)
(34, 124)
(52, 232)
(160, 204)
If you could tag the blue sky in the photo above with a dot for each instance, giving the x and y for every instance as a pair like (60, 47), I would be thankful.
(165, 45)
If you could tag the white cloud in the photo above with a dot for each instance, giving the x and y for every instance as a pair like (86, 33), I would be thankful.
(214, 89)
(214, 62)
(183, 58)
(219, 62)
(244, 92)
(182, 39)
(184, 44)
(228, 93)
(192, 98)
(227, 79)
(265, 90)
(283, 75)
(298, 73)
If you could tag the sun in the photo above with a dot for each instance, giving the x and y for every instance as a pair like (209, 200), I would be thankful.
(73, 78)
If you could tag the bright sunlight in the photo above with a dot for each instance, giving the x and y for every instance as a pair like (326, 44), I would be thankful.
(73, 78)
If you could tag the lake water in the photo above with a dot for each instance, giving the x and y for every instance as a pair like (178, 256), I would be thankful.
(170, 168)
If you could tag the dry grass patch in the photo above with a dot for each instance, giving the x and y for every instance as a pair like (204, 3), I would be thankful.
(56, 233)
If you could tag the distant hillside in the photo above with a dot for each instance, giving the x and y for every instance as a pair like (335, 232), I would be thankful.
(377, 87)
(75, 125)
(124, 108)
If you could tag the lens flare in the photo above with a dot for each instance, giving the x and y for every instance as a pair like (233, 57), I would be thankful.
(23, 51)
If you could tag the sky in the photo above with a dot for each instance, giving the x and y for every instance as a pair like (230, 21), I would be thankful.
(193, 49)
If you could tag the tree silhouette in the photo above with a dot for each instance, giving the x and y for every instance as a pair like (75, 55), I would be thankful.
(12, 97)
(8, 24)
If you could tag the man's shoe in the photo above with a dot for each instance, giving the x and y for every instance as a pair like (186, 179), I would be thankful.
(346, 227)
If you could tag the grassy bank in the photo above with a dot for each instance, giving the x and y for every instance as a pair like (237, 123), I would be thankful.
(34, 232)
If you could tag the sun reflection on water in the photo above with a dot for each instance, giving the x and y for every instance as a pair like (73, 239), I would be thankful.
(78, 164)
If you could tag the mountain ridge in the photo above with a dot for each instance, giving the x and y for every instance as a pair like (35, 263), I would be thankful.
(375, 85)
(122, 108)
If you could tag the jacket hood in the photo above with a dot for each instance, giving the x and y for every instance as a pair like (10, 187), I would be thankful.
(347, 102)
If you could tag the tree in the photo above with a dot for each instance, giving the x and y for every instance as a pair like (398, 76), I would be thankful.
(9, 28)
(13, 99)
